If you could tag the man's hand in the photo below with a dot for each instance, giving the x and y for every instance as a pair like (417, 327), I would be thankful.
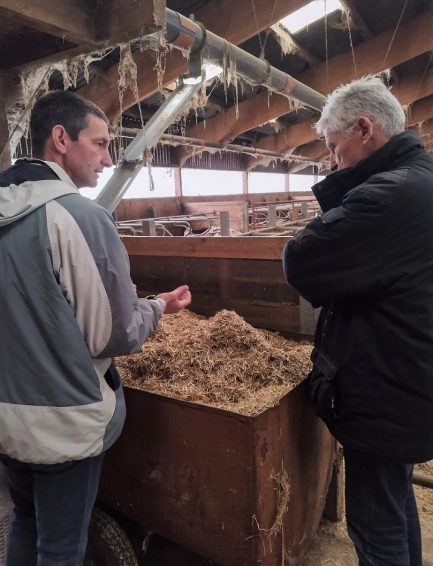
(176, 300)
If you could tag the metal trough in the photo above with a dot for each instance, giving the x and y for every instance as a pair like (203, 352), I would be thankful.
(210, 479)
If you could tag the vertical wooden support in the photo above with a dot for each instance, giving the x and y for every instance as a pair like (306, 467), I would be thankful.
(245, 217)
(5, 154)
(177, 181)
(272, 215)
(148, 227)
(287, 183)
(304, 207)
(245, 188)
(296, 213)
(225, 223)
(118, 22)
(334, 507)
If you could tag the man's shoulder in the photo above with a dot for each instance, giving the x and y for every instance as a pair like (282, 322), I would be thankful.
(27, 170)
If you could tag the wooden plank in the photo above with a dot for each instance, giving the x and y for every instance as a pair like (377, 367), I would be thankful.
(225, 222)
(234, 25)
(72, 20)
(255, 289)
(148, 227)
(420, 111)
(79, 21)
(248, 19)
(334, 507)
(128, 19)
(5, 154)
(241, 248)
(132, 209)
(369, 57)
(413, 38)
(235, 209)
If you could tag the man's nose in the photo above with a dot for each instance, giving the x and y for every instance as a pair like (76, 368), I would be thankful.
(333, 165)
(107, 161)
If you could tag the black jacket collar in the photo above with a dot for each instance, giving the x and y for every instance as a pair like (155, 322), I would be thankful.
(331, 190)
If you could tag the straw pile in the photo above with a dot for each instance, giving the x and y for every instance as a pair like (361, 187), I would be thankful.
(221, 361)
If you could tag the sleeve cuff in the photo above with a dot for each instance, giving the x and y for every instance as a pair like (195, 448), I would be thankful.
(162, 303)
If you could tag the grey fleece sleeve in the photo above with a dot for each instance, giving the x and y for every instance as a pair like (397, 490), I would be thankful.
(92, 267)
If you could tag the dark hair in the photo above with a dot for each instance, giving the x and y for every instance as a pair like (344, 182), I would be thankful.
(59, 107)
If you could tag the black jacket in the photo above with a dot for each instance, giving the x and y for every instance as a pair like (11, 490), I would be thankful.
(368, 262)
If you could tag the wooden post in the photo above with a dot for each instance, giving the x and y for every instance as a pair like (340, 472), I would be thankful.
(225, 223)
(287, 183)
(245, 182)
(148, 227)
(5, 154)
(177, 181)
(272, 215)
(296, 212)
(245, 217)
(304, 207)
(334, 506)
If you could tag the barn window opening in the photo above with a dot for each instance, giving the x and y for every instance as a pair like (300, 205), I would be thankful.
(308, 14)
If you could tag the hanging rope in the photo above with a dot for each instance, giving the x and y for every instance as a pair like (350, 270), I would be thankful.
(394, 34)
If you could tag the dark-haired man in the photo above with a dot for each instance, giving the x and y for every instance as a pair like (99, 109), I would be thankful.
(67, 306)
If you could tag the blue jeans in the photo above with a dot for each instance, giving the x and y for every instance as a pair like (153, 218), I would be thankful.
(381, 513)
(52, 510)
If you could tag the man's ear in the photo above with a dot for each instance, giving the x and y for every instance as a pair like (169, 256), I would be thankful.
(60, 139)
(366, 128)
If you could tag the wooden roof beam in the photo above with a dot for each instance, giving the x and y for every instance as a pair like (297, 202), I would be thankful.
(219, 17)
(233, 121)
(316, 151)
(420, 111)
(409, 89)
(5, 154)
(247, 19)
(122, 21)
(426, 128)
(413, 38)
(69, 19)
(289, 44)
(355, 19)
(373, 52)
(83, 22)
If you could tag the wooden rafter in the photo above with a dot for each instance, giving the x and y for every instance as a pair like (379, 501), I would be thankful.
(69, 19)
(316, 151)
(71, 28)
(5, 156)
(426, 128)
(219, 17)
(420, 111)
(289, 44)
(408, 91)
(413, 38)
(355, 19)
(230, 123)
(372, 52)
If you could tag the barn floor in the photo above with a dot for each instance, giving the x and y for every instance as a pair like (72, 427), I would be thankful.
(331, 546)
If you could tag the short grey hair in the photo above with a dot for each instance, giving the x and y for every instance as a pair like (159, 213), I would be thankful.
(364, 97)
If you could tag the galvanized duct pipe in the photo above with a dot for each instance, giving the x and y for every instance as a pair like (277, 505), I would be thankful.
(203, 46)
(131, 161)
(186, 34)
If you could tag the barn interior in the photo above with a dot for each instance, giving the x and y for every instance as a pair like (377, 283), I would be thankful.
(220, 86)
(127, 57)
